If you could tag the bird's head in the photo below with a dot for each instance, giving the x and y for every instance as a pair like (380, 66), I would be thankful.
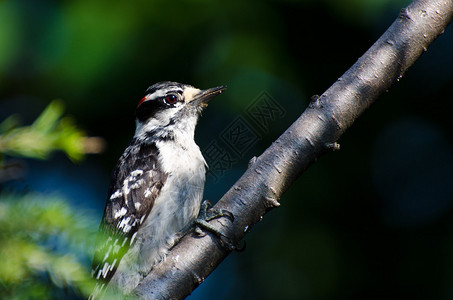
(170, 105)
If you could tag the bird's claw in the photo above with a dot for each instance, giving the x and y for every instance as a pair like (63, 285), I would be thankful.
(201, 222)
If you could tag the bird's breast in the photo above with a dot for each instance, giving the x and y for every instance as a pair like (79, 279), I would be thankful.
(181, 196)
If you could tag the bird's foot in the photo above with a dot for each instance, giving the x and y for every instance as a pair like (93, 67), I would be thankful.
(205, 215)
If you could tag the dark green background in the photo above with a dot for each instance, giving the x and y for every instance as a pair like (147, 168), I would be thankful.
(372, 221)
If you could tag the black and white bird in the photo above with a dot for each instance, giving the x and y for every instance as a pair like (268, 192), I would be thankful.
(156, 188)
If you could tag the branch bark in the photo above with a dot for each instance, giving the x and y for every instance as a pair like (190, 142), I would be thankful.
(314, 133)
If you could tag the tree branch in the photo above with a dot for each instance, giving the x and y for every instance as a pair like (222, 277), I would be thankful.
(314, 133)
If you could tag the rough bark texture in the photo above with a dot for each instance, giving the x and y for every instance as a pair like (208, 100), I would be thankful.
(314, 133)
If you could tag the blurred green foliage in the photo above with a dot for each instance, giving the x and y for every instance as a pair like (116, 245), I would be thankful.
(48, 133)
(42, 242)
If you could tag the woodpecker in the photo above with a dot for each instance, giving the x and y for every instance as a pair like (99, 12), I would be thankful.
(156, 187)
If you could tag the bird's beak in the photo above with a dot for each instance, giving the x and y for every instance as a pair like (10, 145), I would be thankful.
(203, 97)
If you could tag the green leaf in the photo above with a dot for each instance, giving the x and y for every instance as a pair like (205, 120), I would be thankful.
(50, 132)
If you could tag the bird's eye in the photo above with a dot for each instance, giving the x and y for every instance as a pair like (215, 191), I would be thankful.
(171, 99)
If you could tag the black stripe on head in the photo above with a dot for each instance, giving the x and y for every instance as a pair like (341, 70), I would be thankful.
(155, 101)
(148, 109)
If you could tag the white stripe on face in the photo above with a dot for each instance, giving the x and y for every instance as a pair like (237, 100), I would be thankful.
(163, 92)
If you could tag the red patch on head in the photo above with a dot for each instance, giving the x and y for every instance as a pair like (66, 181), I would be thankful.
(141, 101)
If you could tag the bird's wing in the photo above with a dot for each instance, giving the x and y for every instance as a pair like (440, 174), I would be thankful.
(136, 182)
